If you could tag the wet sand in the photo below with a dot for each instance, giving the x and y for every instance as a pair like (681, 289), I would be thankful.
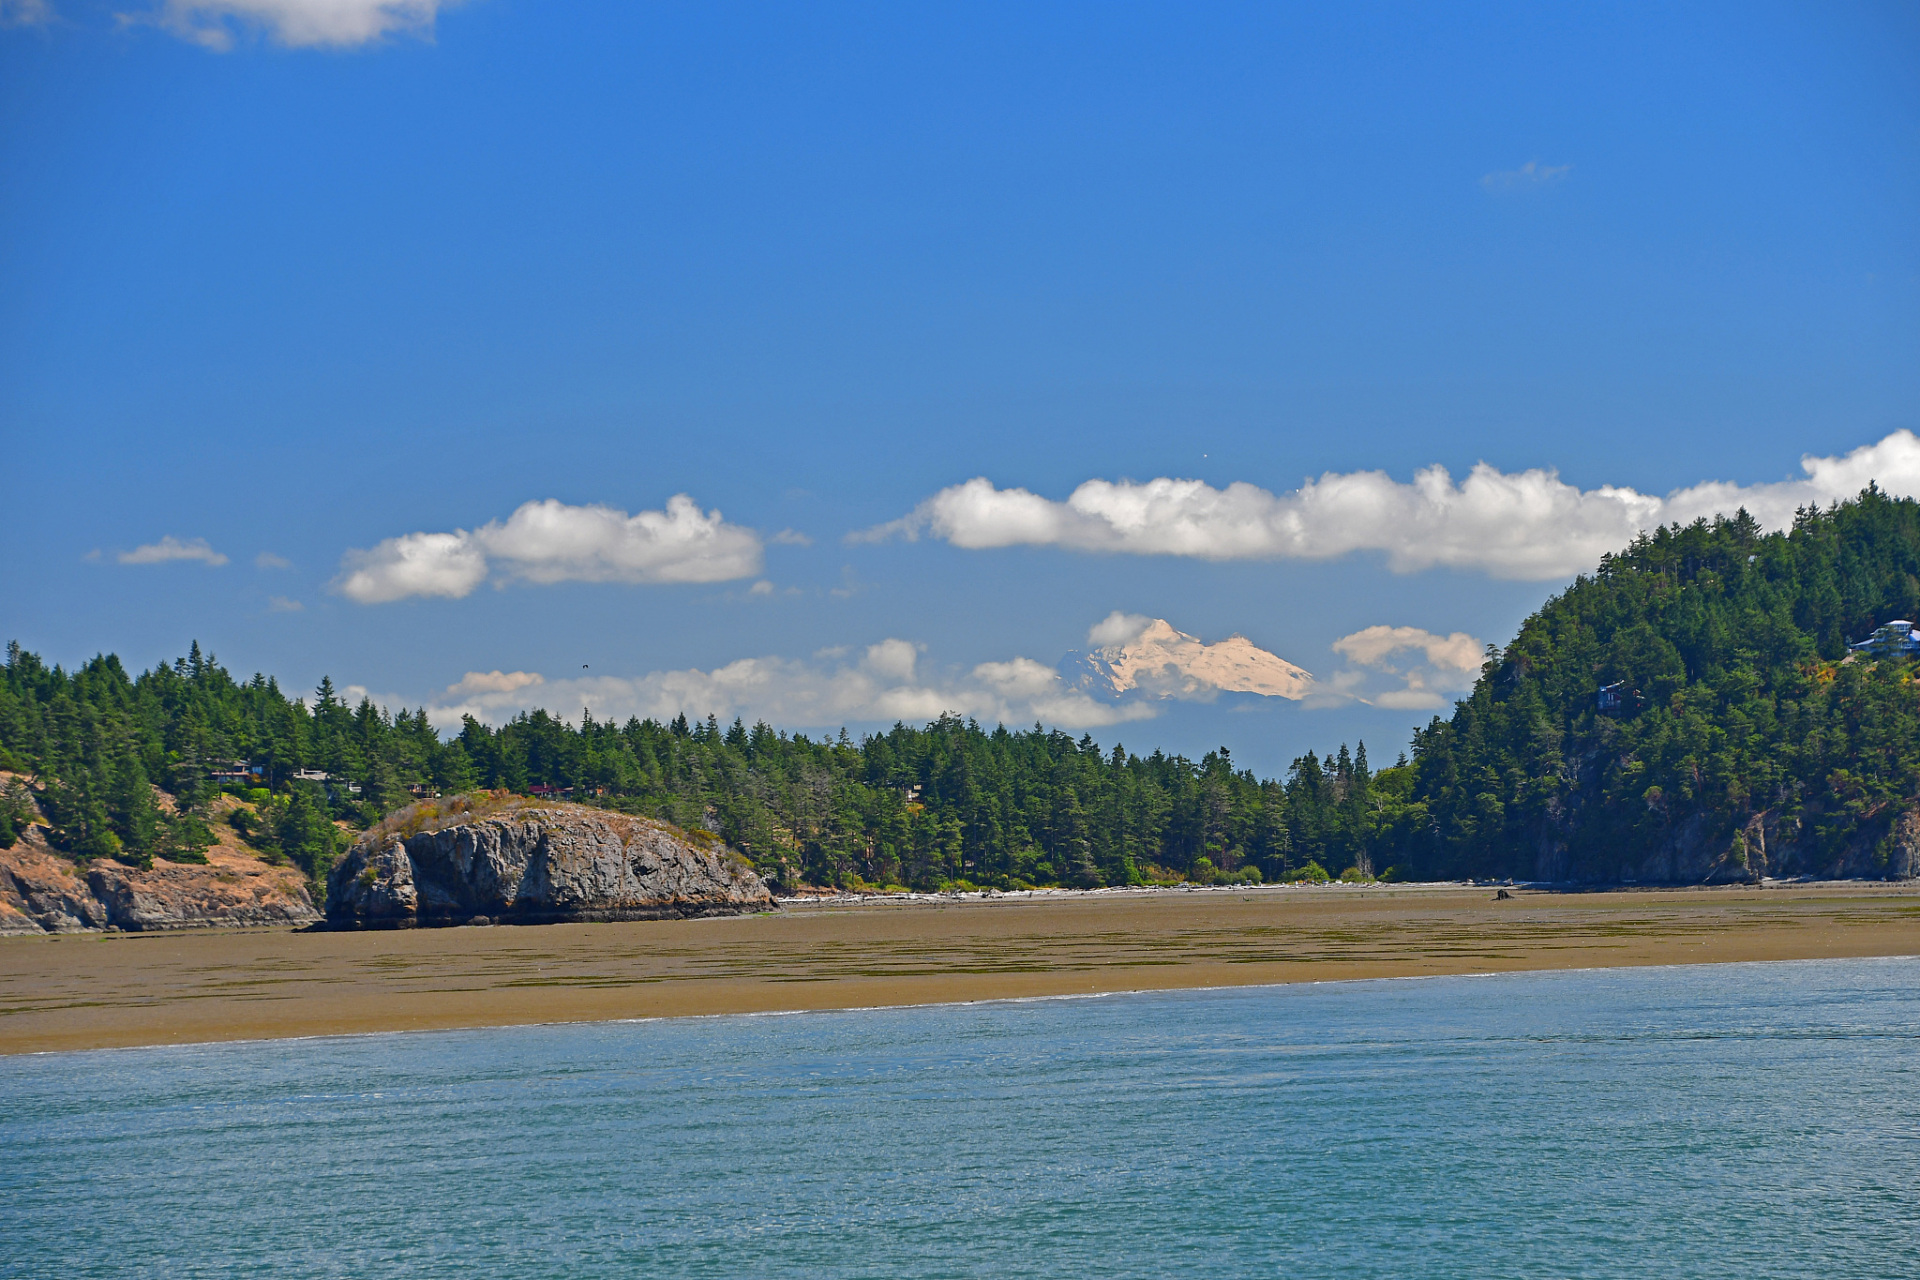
(87, 991)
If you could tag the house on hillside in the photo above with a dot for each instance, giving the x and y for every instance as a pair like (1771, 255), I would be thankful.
(237, 773)
(1890, 639)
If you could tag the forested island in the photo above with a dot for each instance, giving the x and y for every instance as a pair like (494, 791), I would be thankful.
(1688, 712)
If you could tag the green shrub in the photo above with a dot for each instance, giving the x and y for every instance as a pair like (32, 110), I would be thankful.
(184, 837)
(1312, 873)
(17, 812)
(1354, 875)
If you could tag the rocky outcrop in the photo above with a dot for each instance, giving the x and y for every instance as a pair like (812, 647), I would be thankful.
(1903, 847)
(230, 891)
(539, 866)
(43, 892)
(1698, 849)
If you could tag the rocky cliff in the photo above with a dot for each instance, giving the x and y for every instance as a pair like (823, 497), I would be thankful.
(535, 865)
(42, 891)
(1767, 844)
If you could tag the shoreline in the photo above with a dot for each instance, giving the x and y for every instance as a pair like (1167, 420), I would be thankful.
(943, 1004)
(854, 897)
(86, 991)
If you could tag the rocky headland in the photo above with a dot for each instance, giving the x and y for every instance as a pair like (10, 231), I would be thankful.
(43, 891)
(479, 860)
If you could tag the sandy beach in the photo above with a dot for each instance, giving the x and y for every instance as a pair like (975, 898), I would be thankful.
(82, 991)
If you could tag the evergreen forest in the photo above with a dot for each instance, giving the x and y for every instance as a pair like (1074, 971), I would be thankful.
(1743, 737)
(950, 803)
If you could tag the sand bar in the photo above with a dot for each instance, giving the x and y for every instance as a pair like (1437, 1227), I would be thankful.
(82, 991)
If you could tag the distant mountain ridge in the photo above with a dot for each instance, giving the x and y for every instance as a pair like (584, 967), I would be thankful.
(1161, 661)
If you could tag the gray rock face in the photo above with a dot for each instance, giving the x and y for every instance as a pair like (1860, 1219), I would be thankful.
(1696, 850)
(46, 899)
(44, 892)
(172, 898)
(540, 866)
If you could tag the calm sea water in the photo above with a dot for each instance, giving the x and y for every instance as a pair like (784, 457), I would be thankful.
(1731, 1120)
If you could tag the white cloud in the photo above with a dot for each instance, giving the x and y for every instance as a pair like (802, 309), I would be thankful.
(1374, 645)
(334, 24)
(548, 542)
(792, 538)
(495, 681)
(1118, 629)
(761, 588)
(1526, 525)
(268, 560)
(893, 659)
(1527, 176)
(883, 683)
(281, 604)
(25, 13)
(1441, 667)
(172, 548)
(419, 564)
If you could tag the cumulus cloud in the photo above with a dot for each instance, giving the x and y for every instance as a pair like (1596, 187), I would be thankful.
(1375, 645)
(171, 548)
(1422, 670)
(268, 560)
(281, 604)
(1525, 525)
(878, 684)
(1528, 176)
(476, 683)
(337, 24)
(548, 542)
(1118, 629)
(419, 564)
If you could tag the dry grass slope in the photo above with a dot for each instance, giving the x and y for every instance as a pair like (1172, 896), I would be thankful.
(442, 812)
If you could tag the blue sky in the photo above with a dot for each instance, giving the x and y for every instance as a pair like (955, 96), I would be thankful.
(304, 277)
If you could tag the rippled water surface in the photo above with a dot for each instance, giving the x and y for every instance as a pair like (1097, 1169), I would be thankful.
(1732, 1120)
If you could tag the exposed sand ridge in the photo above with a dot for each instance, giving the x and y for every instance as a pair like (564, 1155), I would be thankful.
(92, 990)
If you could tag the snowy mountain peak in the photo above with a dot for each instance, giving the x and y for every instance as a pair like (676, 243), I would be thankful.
(1149, 655)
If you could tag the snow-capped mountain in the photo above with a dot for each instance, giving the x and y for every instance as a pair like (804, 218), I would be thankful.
(1150, 656)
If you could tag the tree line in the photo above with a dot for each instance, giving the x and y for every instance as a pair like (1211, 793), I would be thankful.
(123, 766)
(1738, 718)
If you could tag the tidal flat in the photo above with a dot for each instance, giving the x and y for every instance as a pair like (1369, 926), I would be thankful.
(87, 991)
